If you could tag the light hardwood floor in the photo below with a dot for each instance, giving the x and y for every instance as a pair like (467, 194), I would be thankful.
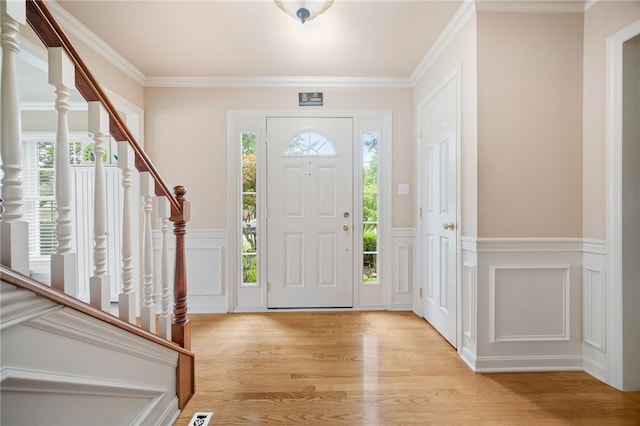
(374, 368)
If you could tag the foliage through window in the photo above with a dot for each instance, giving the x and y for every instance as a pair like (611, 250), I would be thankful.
(249, 210)
(370, 207)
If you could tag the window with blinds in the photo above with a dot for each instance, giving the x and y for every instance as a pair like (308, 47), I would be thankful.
(39, 206)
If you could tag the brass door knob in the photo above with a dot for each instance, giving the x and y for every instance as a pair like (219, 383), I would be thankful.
(449, 226)
(345, 227)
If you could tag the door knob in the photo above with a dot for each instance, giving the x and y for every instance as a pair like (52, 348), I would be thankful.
(345, 227)
(449, 226)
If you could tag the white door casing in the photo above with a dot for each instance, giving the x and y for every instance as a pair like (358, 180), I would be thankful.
(310, 212)
(439, 228)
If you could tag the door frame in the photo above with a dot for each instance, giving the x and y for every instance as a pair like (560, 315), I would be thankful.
(254, 298)
(421, 176)
(614, 143)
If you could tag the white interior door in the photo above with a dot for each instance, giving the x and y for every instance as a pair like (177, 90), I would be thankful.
(309, 212)
(439, 199)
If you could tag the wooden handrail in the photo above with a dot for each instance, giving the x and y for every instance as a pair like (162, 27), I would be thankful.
(51, 34)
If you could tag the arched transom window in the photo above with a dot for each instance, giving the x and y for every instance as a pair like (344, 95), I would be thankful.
(310, 143)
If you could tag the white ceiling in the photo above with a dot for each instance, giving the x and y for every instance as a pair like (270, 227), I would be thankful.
(255, 39)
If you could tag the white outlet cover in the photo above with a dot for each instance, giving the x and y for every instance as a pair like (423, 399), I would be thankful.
(403, 188)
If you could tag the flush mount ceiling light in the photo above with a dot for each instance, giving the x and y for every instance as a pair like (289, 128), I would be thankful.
(304, 10)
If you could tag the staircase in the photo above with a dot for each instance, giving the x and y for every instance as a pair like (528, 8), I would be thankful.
(66, 360)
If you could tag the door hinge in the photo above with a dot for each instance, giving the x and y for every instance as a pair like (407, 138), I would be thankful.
(420, 131)
(420, 293)
(420, 211)
(268, 287)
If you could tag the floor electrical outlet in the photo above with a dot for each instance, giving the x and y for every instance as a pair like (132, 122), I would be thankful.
(200, 419)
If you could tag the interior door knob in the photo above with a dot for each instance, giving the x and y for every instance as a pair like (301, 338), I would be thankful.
(449, 226)
(345, 227)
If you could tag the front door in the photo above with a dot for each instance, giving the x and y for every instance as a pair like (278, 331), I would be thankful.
(309, 212)
(439, 203)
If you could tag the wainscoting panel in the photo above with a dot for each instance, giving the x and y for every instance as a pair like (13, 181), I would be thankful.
(402, 284)
(594, 308)
(528, 308)
(529, 302)
(467, 347)
(206, 269)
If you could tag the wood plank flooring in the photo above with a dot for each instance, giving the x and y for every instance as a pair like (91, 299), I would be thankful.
(374, 368)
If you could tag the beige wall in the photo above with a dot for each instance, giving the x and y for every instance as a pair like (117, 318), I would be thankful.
(186, 138)
(460, 52)
(602, 20)
(529, 125)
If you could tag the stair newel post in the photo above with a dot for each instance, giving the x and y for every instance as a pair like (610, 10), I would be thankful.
(181, 326)
(127, 299)
(14, 232)
(164, 211)
(63, 262)
(147, 312)
(99, 283)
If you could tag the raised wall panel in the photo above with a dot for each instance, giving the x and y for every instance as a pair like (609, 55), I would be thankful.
(402, 269)
(206, 257)
(529, 303)
(594, 317)
(469, 300)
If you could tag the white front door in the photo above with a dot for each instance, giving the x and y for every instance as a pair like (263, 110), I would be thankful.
(309, 212)
(439, 243)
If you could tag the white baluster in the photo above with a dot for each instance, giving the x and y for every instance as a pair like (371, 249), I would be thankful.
(14, 233)
(99, 282)
(63, 263)
(147, 312)
(164, 212)
(127, 299)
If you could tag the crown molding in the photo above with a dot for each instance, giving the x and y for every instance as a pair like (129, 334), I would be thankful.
(589, 4)
(74, 27)
(280, 82)
(459, 19)
(539, 6)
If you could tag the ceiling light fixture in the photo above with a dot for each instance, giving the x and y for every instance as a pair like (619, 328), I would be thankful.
(304, 10)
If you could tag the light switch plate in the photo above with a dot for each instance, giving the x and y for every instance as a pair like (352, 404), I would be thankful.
(403, 188)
